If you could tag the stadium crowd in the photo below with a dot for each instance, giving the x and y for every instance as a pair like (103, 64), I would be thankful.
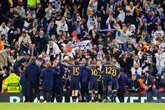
(41, 41)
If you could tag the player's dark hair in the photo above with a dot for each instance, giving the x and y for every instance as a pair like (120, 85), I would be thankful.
(113, 57)
(76, 62)
(108, 57)
(147, 72)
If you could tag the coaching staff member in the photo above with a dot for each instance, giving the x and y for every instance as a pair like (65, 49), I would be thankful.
(47, 76)
(122, 81)
(32, 74)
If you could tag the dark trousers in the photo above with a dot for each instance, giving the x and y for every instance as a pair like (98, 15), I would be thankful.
(47, 96)
(33, 92)
(84, 92)
(120, 94)
(58, 93)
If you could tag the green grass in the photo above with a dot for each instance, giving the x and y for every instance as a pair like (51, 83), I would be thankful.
(81, 106)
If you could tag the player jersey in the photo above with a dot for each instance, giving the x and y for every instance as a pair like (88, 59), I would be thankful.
(93, 73)
(75, 73)
(99, 77)
(110, 70)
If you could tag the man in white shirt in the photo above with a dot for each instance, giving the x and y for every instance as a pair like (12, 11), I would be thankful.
(62, 25)
(160, 61)
(123, 36)
(49, 11)
(4, 29)
(159, 31)
(52, 46)
(136, 70)
(121, 16)
(20, 9)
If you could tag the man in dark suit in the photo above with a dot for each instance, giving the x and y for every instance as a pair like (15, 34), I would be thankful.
(122, 81)
(47, 76)
(57, 90)
(32, 74)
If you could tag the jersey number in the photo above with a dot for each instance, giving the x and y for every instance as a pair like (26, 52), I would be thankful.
(110, 70)
(76, 71)
(99, 77)
(94, 72)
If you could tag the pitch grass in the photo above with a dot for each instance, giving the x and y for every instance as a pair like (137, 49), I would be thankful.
(81, 106)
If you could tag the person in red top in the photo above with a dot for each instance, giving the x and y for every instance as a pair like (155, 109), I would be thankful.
(143, 87)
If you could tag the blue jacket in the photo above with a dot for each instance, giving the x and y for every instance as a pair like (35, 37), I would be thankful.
(32, 74)
(122, 81)
(62, 69)
(24, 84)
(17, 64)
(85, 75)
(48, 79)
(57, 78)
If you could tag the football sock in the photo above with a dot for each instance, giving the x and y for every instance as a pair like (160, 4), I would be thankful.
(90, 96)
(96, 97)
(114, 96)
(104, 94)
(110, 93)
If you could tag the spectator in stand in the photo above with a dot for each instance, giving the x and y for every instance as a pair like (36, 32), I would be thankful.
(4, 56)
(150, 83)
(17, 21)
(52, 48)
(31, 4)
(160, 61)
(61, 25)
(42, 41)
(32, 51)
(4, 30)
(49, 11)
(134, 84)
(24, 42)
(136, 70)
(20, 9)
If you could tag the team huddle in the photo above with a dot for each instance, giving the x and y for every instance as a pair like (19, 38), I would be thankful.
(97, 81)
(92, 82)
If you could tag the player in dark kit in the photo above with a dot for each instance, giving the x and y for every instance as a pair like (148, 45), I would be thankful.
(107, 79)
(93, 82)
(115, 71)
(75, 70)
(109, 71)
(100, 85)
